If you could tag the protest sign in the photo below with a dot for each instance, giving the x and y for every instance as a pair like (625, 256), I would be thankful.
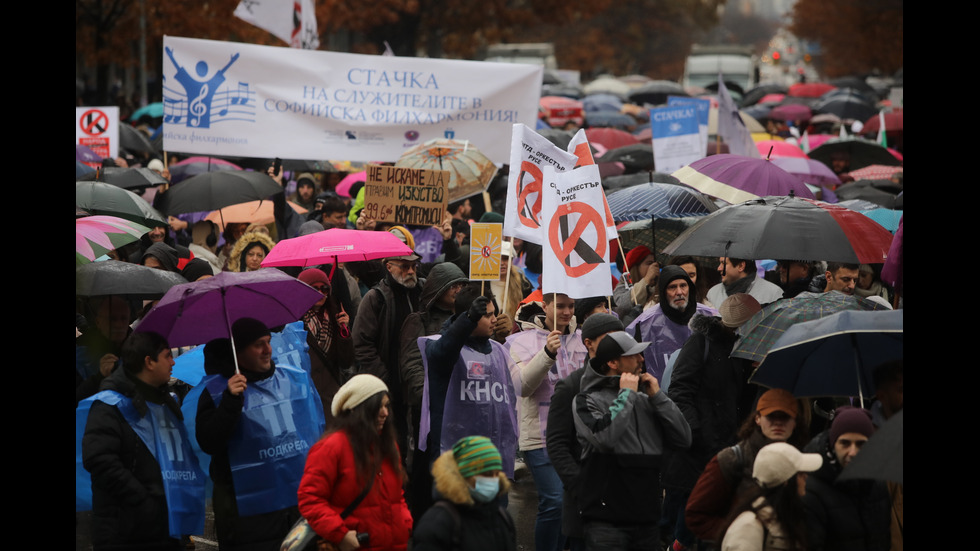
(485, 248)
(676, 141)
(98, 128)
(530, 153)
(575, 257)
(410, 196)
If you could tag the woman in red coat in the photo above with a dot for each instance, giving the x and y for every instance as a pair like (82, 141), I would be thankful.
(360, 450)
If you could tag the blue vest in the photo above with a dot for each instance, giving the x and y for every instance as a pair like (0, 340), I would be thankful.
(167, 439)
(281, 418)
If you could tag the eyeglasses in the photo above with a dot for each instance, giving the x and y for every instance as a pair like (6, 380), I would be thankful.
(322, 288)
(405, 266)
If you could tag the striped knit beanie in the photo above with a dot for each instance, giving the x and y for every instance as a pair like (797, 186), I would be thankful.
(476, 455)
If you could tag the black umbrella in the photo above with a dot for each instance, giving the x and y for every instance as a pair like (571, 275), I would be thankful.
(859, 152)
(883, 193)
(138, 178)
(114, 277)
(608, 119)
(847, 104)
(216, 190)
(753, 96)
(133, 140)
(103, 198)
(882, 456)
(559, 137)
(656, 92)
(786, 227)
(635, 158)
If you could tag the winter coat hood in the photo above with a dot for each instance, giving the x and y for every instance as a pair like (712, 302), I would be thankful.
(243, 244)
(439, 279)
(451, 484)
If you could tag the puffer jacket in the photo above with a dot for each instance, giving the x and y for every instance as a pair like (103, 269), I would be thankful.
(330, 484)
(623, 435)
(539, 372)
(482, 526)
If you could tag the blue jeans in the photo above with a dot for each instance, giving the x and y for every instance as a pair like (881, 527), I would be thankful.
(547, 527)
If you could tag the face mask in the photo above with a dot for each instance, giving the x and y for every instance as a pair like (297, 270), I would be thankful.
(486, 488)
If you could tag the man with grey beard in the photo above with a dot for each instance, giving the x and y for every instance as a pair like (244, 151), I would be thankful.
(377, 329)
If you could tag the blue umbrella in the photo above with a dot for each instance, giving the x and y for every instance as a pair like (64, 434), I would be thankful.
(154, 110)
(888, 218)
(834, 355)
(81, 169)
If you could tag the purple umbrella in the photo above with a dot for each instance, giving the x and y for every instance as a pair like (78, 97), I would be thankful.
(198, 312)
(791, 112)
(85, 154)
(808, 170)
(736, 178)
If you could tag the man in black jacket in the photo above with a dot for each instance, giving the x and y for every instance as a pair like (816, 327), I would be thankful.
(845, 515)
(134, 435)
(562, 443)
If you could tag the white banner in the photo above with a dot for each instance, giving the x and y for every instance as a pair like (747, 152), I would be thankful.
(292, 21)
(530, 153)
(228, 98)
(575, 258)
(731, 127)
(676, 139)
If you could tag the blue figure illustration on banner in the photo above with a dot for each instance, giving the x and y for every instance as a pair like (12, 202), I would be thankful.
(204, 102)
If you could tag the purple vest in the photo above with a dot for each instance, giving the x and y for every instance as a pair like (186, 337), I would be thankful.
(481, 401)
(665, 336)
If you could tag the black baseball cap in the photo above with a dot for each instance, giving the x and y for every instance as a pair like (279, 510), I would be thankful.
(615, 345)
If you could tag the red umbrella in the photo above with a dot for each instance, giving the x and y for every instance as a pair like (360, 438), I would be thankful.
(894, 122)
(810, 89)
(774, 99)
(610, 138)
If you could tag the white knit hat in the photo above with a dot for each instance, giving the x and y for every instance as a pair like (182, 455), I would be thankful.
(779, 461)
(355, 391)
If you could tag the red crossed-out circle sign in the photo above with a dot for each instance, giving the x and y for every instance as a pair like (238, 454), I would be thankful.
(94, 122)
(588, 216)
(529, 214)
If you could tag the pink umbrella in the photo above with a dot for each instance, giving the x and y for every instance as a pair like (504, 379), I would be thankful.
(773, 149)
(333, 246)
(772, 98)
(791, 112)
(343, 188)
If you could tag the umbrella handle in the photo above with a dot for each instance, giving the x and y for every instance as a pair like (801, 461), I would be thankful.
(231, 336)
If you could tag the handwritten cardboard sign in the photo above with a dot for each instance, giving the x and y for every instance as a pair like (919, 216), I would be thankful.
(411, 196)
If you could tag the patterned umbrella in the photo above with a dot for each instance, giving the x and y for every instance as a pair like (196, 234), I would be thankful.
(470, 171)
(107, 199)
(654, 200)
(97, 235)
(766, 326)
(875, 172)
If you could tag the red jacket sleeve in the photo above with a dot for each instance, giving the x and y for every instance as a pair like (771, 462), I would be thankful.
(324, 467)
(709, 503)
